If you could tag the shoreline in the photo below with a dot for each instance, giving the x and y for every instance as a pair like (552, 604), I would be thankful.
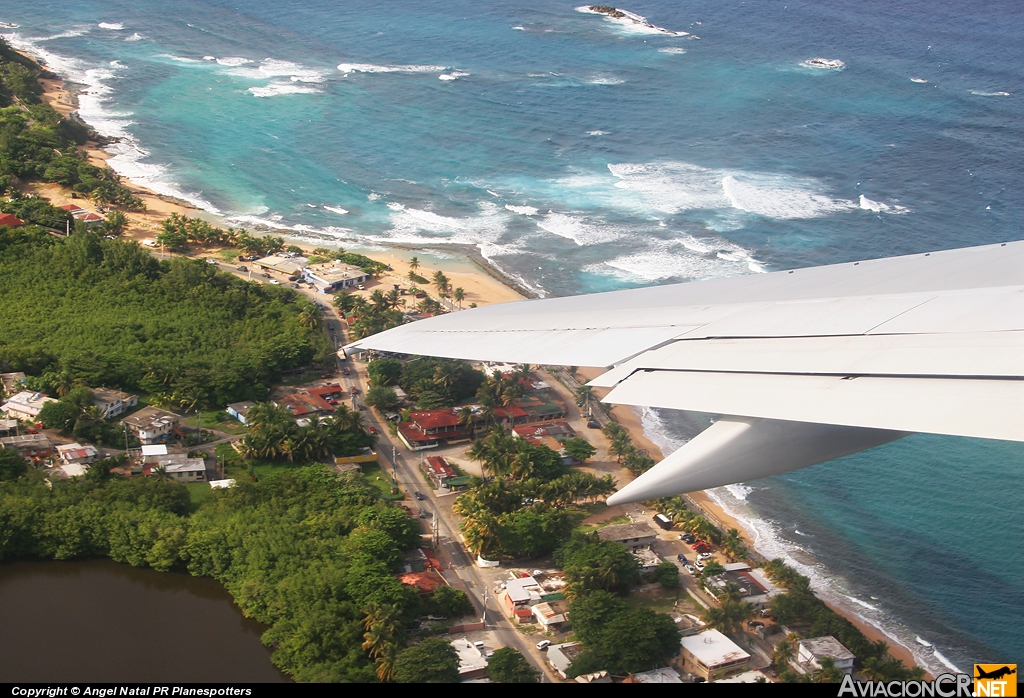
(493, 286)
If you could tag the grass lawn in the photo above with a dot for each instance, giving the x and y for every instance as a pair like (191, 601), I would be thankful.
(591, 527)
(376, 475)
(661, 600)
(221, 421)
(198, 492)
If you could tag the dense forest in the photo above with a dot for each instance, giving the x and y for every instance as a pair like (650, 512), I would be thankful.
(105, 312)
(36, 143)
(308, 552)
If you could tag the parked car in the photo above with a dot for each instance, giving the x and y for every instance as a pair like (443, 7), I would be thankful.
(689, 568)
(354, 390)
(274, 282)
(346, 372)
(681, 558)
(699, 544)
(372, 430)
(705, 556)
(593, 424)
(242, 267)
(699, 565)
(543, 644)
(688, 537)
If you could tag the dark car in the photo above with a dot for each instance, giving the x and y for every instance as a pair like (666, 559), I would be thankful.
(346, 371)
(243, 268)
(593, 424)
(687, 537)
(681, 558)
(420, 496)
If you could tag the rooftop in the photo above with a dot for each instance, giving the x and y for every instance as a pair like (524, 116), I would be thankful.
(150, 416)
(434, 419)
(713, 649)
(826, 646)
(663, 675)
(110, 395)
(25, 441)
(630, 531)
(470, 657)
(303, 403)
(333, 272)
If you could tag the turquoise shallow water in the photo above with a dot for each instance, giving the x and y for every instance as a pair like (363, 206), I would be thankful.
(581, 154)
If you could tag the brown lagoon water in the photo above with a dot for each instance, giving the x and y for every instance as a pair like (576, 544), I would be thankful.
(99, 620)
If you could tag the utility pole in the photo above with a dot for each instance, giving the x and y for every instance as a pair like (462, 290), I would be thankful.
(483, 619)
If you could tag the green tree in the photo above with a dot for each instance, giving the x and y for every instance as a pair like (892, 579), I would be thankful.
(384, 371)
(12, 465)
(507, 665)
(592, 564)
(431, 661)
(382, 398)
(580, 449)
(448, 602)
(667, 575)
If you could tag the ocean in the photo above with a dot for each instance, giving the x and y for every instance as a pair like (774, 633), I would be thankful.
(581, 153)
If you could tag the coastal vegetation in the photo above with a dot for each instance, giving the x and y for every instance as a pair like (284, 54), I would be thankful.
(633, 459)
(799, 607)
(308, 552)
(530, 502)
(38, 144)
(273, 434)
(105, 312)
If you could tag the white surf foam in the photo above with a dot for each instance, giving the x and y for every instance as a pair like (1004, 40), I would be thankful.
(68, 34)
(580, 229)
(631, 22)
(982, 93)
(597, 132)
(948, 664)
(920, 81)
(179, 59)
(349, 68)
(112, 26)
(683, 259)
(522, 210)
(9, 25)
(772, 197)
(604, 80)
(135, 37)
(233, 61)
(454, 75)
(336, 209)
(276, 89)
(922, 641)
(824, 64)
(673, 50)
(879, 207)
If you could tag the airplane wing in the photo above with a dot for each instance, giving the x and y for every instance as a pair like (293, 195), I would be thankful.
(804, 365)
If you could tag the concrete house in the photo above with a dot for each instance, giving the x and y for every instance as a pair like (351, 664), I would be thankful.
(151, 424)
(77, 454)
(632, 535)
(332, 276)
(29, 446)
(112, 403)
(25, 405)
(711, 655)
(811, 651)
(240, 410)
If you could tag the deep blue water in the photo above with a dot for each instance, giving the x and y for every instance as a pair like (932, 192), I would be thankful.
(581, 154)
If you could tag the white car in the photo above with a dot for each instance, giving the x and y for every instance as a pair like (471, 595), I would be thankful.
(705, 556)
(699, 565)
(689, 568)
(543, 644)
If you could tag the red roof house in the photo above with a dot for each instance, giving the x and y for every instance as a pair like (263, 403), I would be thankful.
(10, 220)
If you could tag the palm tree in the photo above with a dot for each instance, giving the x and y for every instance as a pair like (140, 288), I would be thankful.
(829, 672)
(310, 317)
(414, 264)
(459, 295)
(160, 473)
(63, 383)
(440, 281)
(874, 669)
(782, 655)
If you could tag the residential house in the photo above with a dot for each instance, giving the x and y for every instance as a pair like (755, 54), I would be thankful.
(711, 655)
(662, 675)
(306, 403)
(25, 405)
(112, 402)
(77, 454)
(647, 559)
(550, 615)
(472, 663)
(240, 410)
(752, 676)
(185, 469)
(521, 592)
(11, 383)
(81, 215)
(811, 651)
(560, 657)
(632, 535)
(8, 427)
(9, 220)
(332, 276)
(28, 446)
(151, 424)
(436, 468)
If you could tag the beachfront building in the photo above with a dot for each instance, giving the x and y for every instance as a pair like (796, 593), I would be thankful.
(28, 446)
(282, 265)
(754, 586)
(11, 383)
(632, 535)
(25, 405)
(333, 276)
(711, 655)
(811, 651)
(83, 216)
(112, 403)
(151, 424)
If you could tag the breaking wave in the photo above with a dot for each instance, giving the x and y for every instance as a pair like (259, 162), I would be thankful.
(349, 68)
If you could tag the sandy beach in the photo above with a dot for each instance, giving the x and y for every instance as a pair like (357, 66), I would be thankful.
(482, 286)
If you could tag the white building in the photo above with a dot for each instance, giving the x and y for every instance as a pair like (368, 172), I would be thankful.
(186, 470)
(151, 424)
(472, 663)
(663, 675)
(25, 405)
(548, 616)
(810, 652)
(332, 276)
(112, 402)
(711, 655)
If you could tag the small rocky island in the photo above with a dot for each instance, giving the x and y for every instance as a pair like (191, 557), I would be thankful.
(608, 10)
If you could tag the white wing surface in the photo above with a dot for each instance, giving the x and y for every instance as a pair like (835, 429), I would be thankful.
(807, 364)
